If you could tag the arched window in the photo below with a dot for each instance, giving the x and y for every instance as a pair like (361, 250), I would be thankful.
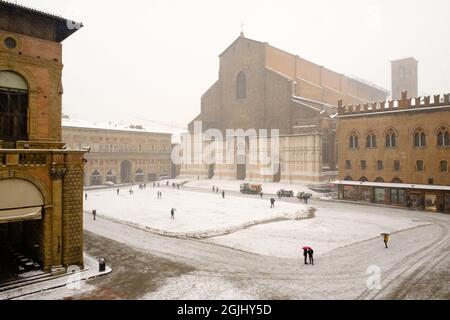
(443, 138)
(419, 165)
(443, 166)
(397, 180)
(379, 179)
(353, 141)
(348, 178)
(96, 178)
(13, 107)
(363, 179)
(390, 139)
(419, 138)
(241, 86)
(371, 140)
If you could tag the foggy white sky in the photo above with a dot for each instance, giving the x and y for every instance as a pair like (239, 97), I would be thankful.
(154, 59)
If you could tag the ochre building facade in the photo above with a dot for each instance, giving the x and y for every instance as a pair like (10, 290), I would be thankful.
(41, 184)
(119, 154)
(262, 87)
(396, 152)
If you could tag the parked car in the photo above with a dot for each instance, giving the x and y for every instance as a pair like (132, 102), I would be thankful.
(251, 188)
(285, 193)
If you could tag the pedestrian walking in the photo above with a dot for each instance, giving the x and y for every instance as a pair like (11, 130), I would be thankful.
(214, 188)
(311, 256)
(85, 196)
(223, 194)
(385, 239)
(305, 254)
(272, 203)
(118, 191)
(94, 213)
(172, 214)
(217, 189)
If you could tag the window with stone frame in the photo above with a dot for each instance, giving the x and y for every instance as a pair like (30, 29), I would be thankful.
(443, 137)
(380, 165)
(396, 165)
(420, 165)
(348, 164)
(390, 139)
(419, 138)
(371, 140)
(353, 141)
(443, 166)
(363, 165)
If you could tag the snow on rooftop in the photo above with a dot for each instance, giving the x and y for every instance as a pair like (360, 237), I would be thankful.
(87, 124)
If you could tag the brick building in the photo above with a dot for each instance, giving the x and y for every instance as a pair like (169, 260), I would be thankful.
(40, 182)
(120, 154)
(396, 152)
(262, 87)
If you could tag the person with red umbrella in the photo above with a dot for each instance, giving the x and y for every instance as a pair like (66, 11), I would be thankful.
(305, 253)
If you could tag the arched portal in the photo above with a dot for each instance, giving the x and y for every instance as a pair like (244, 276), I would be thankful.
(125, 171)
(21, 227)
(13, 107)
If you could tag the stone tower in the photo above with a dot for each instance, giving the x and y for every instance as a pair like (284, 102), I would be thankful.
(404, 78)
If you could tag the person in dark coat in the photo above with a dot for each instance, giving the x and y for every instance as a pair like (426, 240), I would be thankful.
(118, 191)
(172, 214)
(261, 195)
(223, 194)
(85, 196)
(94, 213)
(305, 255)
(311, 256)
(272, 203)
(214, 188)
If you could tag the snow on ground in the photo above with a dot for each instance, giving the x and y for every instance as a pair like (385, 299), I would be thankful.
(196, 287)
(267, 187)
(197, 214)
(330, 229)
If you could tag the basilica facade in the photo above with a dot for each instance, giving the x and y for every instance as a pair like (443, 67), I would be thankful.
(261, 87)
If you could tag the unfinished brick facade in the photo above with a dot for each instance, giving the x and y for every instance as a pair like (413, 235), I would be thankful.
(284, 92)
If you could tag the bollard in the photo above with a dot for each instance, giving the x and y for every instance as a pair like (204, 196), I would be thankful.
(102, 265)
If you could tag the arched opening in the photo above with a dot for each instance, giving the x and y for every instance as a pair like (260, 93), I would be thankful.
(211, 169)
(21, 228)
(363, 179)
(241, 86)
(140, 175)
(241, 161)
(348, 178)
(96, 178)
(443, 137)
(397, 180)
(379, 179)
(125, 171)
(13, 107)
(111, 176)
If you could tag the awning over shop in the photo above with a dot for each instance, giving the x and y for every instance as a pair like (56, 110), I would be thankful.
(22, 214)
(393, 185)
(20, 201)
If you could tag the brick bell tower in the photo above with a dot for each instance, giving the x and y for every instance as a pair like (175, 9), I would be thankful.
(41, 182)
(404, 78)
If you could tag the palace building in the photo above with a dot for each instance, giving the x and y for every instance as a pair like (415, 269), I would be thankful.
(396, 152)
(118, 153)
(41, 183)
(262, 87)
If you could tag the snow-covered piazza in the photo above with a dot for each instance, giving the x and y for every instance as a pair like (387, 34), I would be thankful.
(238, 247)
